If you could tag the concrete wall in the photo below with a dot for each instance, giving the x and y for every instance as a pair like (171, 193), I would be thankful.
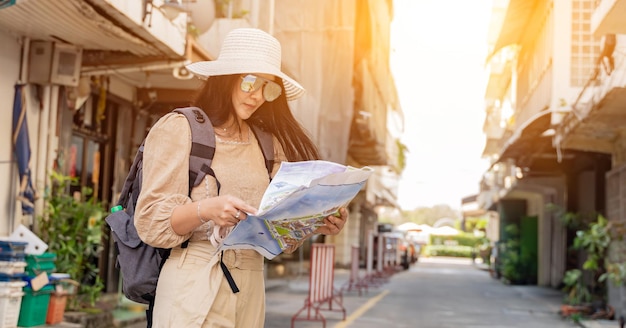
(616, 211)
(9, 67)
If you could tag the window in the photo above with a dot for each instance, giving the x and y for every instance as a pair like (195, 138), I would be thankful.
(585, 47)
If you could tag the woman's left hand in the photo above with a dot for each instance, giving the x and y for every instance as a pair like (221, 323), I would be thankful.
(333, 224)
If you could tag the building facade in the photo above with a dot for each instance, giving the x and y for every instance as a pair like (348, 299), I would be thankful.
(555, 109)
(96, 74)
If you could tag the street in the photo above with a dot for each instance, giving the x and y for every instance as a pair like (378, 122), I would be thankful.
(434, 292)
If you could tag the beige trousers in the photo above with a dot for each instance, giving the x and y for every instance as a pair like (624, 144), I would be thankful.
(193, 292)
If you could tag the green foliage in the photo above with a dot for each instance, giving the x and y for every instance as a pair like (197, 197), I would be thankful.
(513, 267)
(615, 262)
(222, 9)
(430, 215)
(476, 223)
(449, 250)
(402, 150)
(577, 291)
(462, 239)
(573, 221)
(72, 228)
(461, 245)
(595, 241)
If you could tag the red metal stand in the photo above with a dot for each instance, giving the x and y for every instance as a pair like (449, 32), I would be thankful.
(322, 292)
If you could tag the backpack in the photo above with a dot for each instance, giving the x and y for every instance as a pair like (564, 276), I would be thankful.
(138, 262)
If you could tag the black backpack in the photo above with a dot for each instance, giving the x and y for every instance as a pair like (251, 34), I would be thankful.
(138, 262)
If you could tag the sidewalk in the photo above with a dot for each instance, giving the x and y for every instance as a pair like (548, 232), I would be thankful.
(600, 323)
(132, 314)
(293, 290)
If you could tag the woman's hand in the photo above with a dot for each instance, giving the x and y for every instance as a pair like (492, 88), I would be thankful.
(333, 224)
(225, 211)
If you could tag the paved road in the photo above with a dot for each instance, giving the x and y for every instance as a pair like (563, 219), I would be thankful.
(433, 293)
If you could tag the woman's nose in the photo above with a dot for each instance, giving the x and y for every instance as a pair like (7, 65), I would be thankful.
(257, 94)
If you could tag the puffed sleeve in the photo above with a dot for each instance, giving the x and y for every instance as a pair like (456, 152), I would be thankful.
(165, 183)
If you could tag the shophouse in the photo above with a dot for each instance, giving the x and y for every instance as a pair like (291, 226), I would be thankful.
(96, 74)
(554, 108)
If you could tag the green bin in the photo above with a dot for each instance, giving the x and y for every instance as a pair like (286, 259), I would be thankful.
(34, 306)
(36, 264)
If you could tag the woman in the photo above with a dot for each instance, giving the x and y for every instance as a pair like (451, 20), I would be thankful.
(243, 87)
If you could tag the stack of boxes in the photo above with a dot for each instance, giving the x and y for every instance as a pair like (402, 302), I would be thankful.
(12, 266)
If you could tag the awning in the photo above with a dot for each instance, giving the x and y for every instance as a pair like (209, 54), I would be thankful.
(492, 146)
(515, 24)
(364, 145)
(608, 18)
(530, 139)
(78, 23)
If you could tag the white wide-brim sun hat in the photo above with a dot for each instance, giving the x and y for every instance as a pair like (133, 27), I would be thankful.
(248, 50)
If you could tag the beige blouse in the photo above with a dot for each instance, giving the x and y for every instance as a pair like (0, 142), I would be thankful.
(239, 167)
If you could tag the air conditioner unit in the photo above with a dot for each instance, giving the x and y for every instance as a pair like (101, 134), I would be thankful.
(54, 63)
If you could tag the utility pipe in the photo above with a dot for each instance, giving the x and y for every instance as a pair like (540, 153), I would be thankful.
(40, 179)
(98, 70)
(52, 140)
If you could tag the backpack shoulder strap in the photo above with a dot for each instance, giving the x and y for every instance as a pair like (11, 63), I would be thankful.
(130, 184)
(202, 144)
(266, 142)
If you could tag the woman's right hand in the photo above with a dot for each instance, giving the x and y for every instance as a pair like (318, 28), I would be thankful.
(225, 211)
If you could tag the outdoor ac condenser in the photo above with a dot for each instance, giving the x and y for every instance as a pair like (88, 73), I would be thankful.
(54, 63)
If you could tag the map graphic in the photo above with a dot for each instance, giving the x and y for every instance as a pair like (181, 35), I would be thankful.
(295, 204)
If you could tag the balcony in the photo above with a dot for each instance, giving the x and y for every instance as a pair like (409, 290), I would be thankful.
(608, 18)
(597, 116)
(100, 27)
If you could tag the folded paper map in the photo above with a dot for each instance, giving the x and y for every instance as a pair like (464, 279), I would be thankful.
(295, 203)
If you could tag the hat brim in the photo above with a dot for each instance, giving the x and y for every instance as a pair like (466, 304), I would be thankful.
(206, 69)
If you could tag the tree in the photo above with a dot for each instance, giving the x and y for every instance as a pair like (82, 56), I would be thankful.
(430, 215)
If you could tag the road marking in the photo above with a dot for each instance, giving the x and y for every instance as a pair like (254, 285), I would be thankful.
(359, 312)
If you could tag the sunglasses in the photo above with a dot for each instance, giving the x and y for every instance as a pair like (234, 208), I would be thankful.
(252, 83)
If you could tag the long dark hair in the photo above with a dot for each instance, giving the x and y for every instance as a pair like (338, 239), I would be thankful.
(215, 98)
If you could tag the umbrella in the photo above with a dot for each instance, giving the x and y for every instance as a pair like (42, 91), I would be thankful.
(21, 146)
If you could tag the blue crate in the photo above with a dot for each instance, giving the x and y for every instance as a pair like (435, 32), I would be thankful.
(13, 246)
(4, 277)
(12, 257)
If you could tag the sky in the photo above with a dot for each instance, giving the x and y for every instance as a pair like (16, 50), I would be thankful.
(438, 50)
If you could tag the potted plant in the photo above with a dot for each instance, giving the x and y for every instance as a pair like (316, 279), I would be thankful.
(615, 263)
(578, 297)
(595, 241)
(71, 225)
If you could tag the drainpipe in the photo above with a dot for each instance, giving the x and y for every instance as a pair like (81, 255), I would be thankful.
(51, 137)
(40, 178)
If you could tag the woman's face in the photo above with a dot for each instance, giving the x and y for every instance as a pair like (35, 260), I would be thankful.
(247, 102)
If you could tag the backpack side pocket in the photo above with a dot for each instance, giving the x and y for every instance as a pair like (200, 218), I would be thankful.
(139, 263)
